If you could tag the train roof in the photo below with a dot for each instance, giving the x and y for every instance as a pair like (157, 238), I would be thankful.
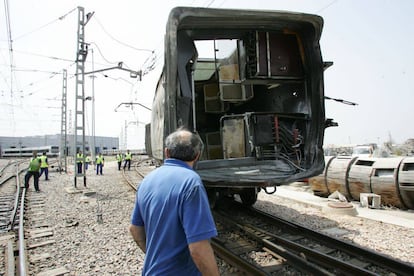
(197, 18)
(186, 24)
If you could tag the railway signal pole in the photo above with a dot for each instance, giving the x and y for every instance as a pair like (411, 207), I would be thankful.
(79, 131)
(79, 128)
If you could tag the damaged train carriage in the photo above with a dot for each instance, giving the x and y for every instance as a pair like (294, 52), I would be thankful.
(250, 83)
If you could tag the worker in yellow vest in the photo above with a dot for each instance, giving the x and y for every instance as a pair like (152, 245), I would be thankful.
(119, 160)
(44, 166)
(99, 163)
(34, 167)
(87, 162)
(79, 161)
(128, 158)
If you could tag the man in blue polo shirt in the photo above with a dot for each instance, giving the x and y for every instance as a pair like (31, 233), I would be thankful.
(171, 221)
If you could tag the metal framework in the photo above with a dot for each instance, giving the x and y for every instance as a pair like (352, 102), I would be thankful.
(81, 53)
(79, 128)
(63, 131)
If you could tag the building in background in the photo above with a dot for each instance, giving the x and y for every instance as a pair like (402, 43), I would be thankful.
(102, 144)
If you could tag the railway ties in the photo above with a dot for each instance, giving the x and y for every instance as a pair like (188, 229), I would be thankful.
(274, 245)
(139, 170)
(26, 237)
(257, 244)
(39, 235)
(263, 258)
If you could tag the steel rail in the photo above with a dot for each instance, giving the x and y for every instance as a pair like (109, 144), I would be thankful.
(16, 200)
(23, 266)
(233, 259)
(394, 265)
(313, 255)
(262, 238)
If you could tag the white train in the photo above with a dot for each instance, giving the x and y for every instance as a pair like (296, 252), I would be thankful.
(28, 151)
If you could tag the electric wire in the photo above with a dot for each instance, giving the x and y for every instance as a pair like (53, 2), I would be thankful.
(14, 69)
(44, 56)
(10, 43)
(147, 68)
(45, 25)
(326, 6)
(120, 42)
(101, 54)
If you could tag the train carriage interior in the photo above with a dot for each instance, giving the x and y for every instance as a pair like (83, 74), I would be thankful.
(254, 95)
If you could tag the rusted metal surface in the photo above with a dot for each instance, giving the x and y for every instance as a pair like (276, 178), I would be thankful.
(251, 71)
(233, 259)
(233, 138)
(250, 230)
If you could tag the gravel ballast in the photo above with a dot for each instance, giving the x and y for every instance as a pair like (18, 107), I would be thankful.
(93, 238)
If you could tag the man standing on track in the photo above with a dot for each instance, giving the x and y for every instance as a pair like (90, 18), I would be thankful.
(44, 166)
(34, 167)
(172, 221)
(128, 158)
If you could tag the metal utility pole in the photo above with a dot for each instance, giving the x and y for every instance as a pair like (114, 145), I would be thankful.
(126, 136)
(63, 131)
(81, 53)
(92, 143)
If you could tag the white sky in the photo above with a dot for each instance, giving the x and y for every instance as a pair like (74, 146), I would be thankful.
(371, 43)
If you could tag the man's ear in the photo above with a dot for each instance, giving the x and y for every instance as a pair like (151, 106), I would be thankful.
(197, 157)
(166, 153)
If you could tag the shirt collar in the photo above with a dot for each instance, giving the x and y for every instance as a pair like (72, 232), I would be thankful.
(176, 162)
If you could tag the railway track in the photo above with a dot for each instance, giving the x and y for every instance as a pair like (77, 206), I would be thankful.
(25, 235)
(10, 195)
(257, 243)
(140, 168)
(262, 244)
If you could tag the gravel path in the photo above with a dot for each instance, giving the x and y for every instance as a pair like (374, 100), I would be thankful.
(90, 246)
(86, 245)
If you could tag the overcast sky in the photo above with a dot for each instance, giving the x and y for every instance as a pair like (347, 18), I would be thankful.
(371, 43)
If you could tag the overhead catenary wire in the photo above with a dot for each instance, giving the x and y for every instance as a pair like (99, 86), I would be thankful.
(13, 68)
(45, 25)
(9, 33)
(120, 42)
(326, 6)
(102, 55)
(10, 43)
(44, 56)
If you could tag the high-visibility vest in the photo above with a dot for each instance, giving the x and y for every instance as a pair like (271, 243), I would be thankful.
(79, 158)
(87, 159)
(34, 164)
(99, 159)
(128, 156)
(44, 163)
(119, 157)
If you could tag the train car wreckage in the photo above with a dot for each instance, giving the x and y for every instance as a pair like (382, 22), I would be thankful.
(250, 83)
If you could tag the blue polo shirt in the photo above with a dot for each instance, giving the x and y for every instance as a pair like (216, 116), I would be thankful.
(172, 205)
